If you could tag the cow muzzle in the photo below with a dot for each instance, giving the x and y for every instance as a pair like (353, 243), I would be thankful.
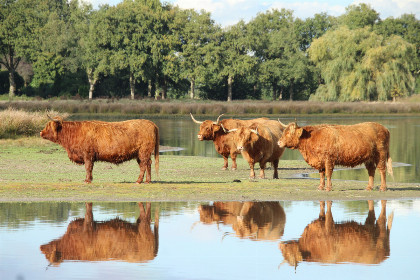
(240, 148)
(200, 137)
(281, 144)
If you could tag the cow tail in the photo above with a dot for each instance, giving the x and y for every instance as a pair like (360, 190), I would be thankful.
(389, 167)
(157, 151)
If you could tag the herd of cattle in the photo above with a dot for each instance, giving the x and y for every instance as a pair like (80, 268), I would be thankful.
(258, 140)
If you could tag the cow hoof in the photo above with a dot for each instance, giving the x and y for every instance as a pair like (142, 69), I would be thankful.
(88, 182)
(224, 168)
(233, 168)
(382, 189)
(328, 189)
(320, 188)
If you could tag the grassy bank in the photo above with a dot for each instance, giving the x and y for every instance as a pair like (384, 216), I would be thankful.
(32, 169)
(213, 108)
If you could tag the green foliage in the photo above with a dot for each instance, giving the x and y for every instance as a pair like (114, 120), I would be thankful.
(359, 16)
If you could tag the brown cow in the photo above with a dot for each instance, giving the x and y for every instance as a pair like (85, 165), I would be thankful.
(87, 240)
(252, 220)
(325, 241)
(216, 132)
(258, 143)
(324, 146)
(115, 142)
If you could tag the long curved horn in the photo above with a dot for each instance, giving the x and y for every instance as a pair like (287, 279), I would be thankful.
(255, 131)
(195, 119)
(224, 129)
(218, 118)
(282, 124)
(231, 130)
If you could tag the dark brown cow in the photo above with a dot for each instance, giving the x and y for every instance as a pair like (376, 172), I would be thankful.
(115, 142)
(252, 220)
(258, 143)
(324, 146)
(87, 240)
(325, 241)
(216, 132)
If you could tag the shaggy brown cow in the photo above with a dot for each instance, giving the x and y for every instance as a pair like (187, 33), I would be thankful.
(327, 242)
(115, 142)
(258, 143)
(216, 132)
(324, 146)
(252, 220)
(87, 240)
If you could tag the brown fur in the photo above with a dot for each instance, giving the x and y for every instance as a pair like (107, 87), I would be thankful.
(327, 242)
(324, 146)
(223, 142)
(253, 220)
(115, 142)
(259, 147)
(87, 240)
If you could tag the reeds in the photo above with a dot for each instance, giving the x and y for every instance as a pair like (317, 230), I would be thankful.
(211, 108)
(16, 122)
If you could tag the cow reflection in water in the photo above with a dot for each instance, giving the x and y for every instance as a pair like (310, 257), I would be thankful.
(87, 240)
(327, 242)
(253, 220)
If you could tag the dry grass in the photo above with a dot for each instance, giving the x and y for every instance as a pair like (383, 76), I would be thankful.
(15, 123)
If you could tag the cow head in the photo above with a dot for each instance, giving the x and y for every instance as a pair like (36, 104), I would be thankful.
(50, 132)
(291, 136)
(208, 128)
(245, 137)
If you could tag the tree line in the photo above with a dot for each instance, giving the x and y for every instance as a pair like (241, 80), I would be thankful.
(146, 48)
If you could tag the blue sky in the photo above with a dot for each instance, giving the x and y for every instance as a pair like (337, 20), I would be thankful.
(228, 12)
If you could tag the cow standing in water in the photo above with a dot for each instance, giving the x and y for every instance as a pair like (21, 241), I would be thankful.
(324, 146)
(88, 240)
(223, 141)
(325, 241)
(115, 142)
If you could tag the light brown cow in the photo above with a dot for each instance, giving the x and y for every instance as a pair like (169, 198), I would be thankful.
(325, 241)
(251, 220)
(216, 132)
(324, 146)
(258, 143)
(87, 240)
(115, 142)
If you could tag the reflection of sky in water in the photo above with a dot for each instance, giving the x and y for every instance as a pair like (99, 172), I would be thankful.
(191, 250)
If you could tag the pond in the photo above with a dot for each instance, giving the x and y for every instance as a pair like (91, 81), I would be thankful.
(404, 130)
(210, 240)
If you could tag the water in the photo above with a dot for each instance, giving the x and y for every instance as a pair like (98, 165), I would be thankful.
(210, 240)
(404, 130)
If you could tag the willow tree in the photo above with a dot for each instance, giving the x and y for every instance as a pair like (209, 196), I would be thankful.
(359, 64)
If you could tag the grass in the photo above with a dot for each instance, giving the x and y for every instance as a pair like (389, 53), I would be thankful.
(15, 123)
(32, 169)
(213, 108)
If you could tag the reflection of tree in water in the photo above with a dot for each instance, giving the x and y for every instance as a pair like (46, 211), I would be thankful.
(325, 241)
(87, 240)
(252, 220)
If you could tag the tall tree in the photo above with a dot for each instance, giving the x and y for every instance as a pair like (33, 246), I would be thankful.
(358, 64)
(359, 16)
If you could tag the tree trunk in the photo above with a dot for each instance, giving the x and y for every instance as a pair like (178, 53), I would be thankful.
(157, 87)
(192, 93)
(12, 82)
(132, 86)
(274, 94)
(164, 88)
(230, 82)
(92, 83)
(291, 90)
(149, 89)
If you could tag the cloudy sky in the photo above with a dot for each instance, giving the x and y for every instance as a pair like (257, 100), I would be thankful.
(227, 12)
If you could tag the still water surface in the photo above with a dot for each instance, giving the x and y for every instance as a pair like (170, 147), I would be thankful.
(216, 240)
(404, 146)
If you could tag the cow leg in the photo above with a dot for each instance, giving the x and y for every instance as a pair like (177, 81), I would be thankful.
(145, 166)
(252, 172)
(89, 168)
(371, 171)
(321, 180)
(225, 162)
(233, 156)
(276, 166)
(328, 173)
(262, 168)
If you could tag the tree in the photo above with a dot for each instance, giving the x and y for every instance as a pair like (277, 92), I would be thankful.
(359, 64)
(359, 16)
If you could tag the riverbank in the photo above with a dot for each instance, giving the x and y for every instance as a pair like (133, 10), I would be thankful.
(149, 107)
(33, 169)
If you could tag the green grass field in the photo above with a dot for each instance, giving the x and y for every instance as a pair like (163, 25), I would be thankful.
(33, 169)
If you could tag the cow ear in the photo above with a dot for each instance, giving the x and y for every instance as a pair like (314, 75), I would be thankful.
(299, 132)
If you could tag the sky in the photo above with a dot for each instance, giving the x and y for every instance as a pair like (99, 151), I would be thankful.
(229, 12)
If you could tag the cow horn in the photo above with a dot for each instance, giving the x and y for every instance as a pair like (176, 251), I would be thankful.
(224, 129)
(282, 124)
(50, 117)
(218, 118)
(232, 130)
(255, 131)
(195, 119)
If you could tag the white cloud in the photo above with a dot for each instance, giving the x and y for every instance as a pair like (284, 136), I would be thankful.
(394, 8)
(208, 5)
